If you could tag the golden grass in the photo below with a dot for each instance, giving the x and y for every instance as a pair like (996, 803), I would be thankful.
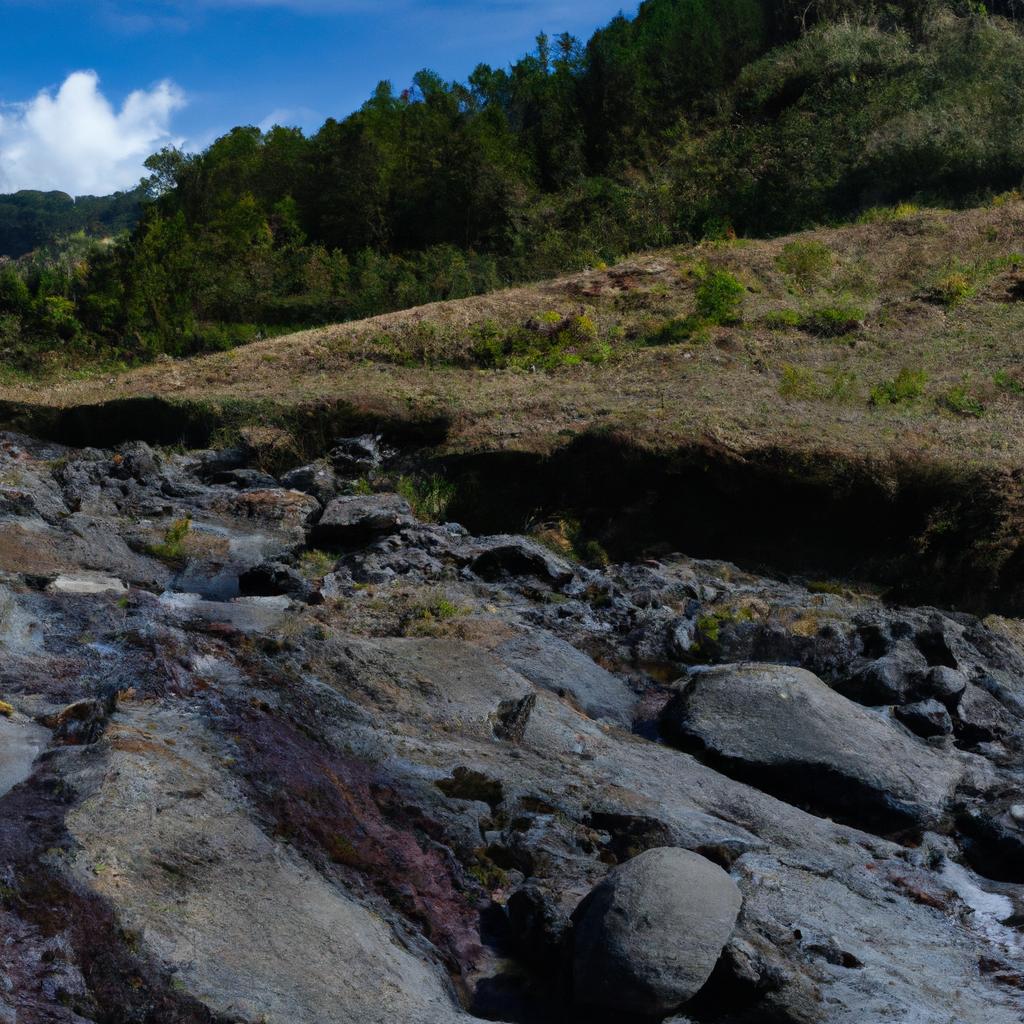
(726, 384)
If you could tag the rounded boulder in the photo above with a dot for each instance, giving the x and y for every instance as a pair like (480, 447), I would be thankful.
(646, 938)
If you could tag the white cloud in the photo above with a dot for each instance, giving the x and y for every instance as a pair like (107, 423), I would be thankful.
(75, 141)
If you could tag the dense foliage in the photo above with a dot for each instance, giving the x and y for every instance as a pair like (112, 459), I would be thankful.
(695, 117)
(29, 220)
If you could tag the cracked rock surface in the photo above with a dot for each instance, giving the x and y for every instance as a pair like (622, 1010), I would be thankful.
(307, 759)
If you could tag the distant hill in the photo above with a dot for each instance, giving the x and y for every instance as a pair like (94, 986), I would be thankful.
(30, 220)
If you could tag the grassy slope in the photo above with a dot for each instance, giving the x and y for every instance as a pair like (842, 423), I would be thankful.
(727, 386)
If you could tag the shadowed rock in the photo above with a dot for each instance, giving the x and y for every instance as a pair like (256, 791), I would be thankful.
(647, 938)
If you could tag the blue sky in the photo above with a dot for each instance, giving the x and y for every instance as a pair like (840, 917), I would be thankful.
(184, 71)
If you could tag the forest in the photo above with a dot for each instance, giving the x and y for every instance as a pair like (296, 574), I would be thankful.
(693, 119)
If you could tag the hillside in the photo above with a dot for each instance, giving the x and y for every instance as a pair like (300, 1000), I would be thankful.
(824, 320)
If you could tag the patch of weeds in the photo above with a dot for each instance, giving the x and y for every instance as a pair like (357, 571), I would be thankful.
(960, 401)
(362, 486)
(798, 382)
(709, 627)
(429, 496)
(782, 320)
(953, 288)
(549, 342)
(1005, 381)
(6, 710)
(805, 263)
(172, 547)
(907, 386)
(826, 587)
(833, 321)
(842, 385)
(888, 214)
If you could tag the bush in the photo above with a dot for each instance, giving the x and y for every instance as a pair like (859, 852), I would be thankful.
(906, 386)
(805, 262)
(720, 298)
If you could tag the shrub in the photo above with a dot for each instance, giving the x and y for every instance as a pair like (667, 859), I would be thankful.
(720, 297)
(960, 401)
(906, 386)
(805, 262)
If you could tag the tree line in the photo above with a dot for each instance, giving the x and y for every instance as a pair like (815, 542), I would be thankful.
(692, 118)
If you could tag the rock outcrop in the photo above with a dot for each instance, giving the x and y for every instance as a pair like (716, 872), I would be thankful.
(263, 764)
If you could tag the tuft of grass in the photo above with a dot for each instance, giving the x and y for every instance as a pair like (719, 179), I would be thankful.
(428, 496)
(953, 288)
(1005, 381)
(805, 263)
(960, 401)
(798, 382)
(315, 565)
(782, 320)
(907, 386)
(172, 548)
(6, 710)
(833, 321)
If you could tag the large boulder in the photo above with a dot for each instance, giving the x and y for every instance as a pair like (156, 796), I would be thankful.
(783, 730)
(358, 519)
(646, 939)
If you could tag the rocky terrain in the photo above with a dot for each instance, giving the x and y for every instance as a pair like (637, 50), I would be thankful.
(275, 749)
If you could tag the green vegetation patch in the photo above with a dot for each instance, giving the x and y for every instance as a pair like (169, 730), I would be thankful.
(906, 387)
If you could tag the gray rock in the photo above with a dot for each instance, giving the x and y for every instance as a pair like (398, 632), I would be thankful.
(244, 479)
(891, 679)
(555, 665)
(500, 556)
(785, 731)
(354, 520)
(926, 718)
(647, 938)
(353, 456)
(318, 479)
(945, 684)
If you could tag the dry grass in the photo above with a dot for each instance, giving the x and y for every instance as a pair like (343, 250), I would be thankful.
(762, 381)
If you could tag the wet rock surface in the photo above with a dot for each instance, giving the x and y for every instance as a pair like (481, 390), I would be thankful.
(276, 751)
